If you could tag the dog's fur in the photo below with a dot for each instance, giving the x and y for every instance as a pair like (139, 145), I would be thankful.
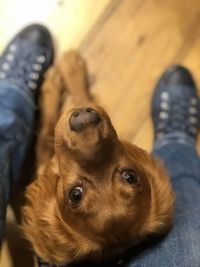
(113, 214)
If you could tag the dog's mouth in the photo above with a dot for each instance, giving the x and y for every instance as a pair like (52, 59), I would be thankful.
(82, 118)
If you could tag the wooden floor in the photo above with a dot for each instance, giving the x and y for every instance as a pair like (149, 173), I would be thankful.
(127, 45)
(128, 50)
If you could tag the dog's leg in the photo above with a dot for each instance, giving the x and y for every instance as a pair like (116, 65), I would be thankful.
(74, 72)
(50, 104)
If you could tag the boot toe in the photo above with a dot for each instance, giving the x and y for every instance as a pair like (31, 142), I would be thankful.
(178, 75)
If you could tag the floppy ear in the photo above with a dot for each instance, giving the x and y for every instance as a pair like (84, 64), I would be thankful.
(160, 217)
(39, 211)
(41, 221)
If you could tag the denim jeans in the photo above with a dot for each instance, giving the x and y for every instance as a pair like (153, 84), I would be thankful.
(16, 123)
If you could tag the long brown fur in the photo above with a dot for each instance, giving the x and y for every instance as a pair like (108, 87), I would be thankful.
(113, 214)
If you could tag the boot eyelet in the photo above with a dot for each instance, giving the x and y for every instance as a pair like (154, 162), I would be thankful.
(40, 59)
(192, 110)
(13, 47)
(193, 101)
(32, 85)
(163, 115)
(36, 67)
(164, 105)
(165, 96)
(34, 75)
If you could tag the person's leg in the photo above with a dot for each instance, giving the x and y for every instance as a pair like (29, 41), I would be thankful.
(22, 66)
(176, 122)
(15, 130)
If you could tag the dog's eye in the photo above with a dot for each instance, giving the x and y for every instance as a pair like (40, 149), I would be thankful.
(76, 194)
(130, 176)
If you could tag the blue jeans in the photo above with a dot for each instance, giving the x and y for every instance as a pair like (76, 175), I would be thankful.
(16, 123)
(181, 247)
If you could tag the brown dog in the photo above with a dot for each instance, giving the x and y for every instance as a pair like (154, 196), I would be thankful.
(94, 195)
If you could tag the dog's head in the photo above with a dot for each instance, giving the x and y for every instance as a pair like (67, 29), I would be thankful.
(101, 195)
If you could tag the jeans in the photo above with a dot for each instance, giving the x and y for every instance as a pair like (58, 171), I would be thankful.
(16, 123)
(181, 247)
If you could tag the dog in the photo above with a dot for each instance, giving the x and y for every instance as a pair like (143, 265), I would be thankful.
(94, 195)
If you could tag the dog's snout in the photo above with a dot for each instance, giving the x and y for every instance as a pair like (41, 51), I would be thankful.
(81, 118)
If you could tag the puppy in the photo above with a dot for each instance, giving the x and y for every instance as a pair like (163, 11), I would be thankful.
(94, 195)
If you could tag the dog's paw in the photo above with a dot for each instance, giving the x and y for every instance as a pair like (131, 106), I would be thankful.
(72, 64)
(73, 69)
(54, 78)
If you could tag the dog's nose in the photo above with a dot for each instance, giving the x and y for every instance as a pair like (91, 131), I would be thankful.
(81, 118)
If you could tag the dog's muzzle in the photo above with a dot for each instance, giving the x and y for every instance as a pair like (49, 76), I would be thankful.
(82, 118)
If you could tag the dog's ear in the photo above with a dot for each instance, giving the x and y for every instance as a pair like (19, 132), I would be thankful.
(40, 220)
(160, 216)
(161, 212)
